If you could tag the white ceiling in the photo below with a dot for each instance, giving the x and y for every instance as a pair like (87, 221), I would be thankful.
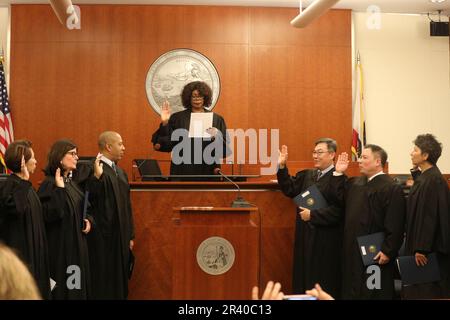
(386, 6)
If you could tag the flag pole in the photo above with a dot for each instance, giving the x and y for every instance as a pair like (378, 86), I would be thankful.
(2, 161)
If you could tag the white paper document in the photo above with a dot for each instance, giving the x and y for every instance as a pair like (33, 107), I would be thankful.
(363, 250)
(200, 122)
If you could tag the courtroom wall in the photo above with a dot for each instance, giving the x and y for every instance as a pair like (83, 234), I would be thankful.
(77, 83)
(407, 85)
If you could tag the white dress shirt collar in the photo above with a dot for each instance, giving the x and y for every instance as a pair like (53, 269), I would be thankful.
(376, 174)
(107, 161)
(324, 172)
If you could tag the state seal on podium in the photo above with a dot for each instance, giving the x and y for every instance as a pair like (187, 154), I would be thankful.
(215, 255)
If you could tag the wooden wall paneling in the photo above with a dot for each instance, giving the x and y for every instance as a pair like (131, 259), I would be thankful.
(36, 23)
(96, 75)
(148, 24)
(101, 23)
(277, 66)
(215, 24)
(326, 67)
(270, 26)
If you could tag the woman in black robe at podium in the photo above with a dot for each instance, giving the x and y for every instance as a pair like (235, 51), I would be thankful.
(428, 218)
(196, 97)
(63, 204)
(21, 218)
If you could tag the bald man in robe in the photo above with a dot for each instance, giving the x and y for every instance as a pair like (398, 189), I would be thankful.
(111, 241)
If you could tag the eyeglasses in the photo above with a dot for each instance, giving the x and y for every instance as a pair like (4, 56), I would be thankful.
(73, 153)
(196, 97)
(319, 152)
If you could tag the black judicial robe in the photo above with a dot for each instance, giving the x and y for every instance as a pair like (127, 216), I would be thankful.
(63, 210)
(182, 120)
(428, 230)
(318, 243)
(370, 207)
(109, 243)
(22, 228)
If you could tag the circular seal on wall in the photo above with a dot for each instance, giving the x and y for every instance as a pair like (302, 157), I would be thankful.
(174, 69)
(215, 255)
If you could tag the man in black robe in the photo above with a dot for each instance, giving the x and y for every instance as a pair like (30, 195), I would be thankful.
(174, 131)
(318, 233)
(111, 241)
(373, 203)
(21, 219)
(428, 218)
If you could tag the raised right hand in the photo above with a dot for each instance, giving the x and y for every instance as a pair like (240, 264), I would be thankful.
(59, 181)
(282, 156)
(98, 166)
(342, 162)
(165, 112)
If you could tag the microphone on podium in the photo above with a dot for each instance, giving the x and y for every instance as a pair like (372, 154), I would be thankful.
(239, 202)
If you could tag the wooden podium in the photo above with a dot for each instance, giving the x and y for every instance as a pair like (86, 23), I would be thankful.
(217, 252)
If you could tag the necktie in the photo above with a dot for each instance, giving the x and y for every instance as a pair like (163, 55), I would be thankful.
(113, 165)
(319, 174)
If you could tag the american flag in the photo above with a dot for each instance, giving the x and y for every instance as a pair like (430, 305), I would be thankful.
(6, 126)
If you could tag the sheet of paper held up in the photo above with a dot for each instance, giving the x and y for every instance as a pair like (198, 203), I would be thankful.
(199, 123)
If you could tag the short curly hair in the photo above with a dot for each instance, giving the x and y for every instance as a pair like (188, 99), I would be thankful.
(427, 143)
(203, 89)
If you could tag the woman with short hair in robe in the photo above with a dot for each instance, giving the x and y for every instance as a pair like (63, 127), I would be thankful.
(428, 218)
(21, 218)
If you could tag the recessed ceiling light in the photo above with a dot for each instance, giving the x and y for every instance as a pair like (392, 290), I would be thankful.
(437, 1)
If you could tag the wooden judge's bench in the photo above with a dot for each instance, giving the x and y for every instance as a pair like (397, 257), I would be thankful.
(173, 219)
(157, 208)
